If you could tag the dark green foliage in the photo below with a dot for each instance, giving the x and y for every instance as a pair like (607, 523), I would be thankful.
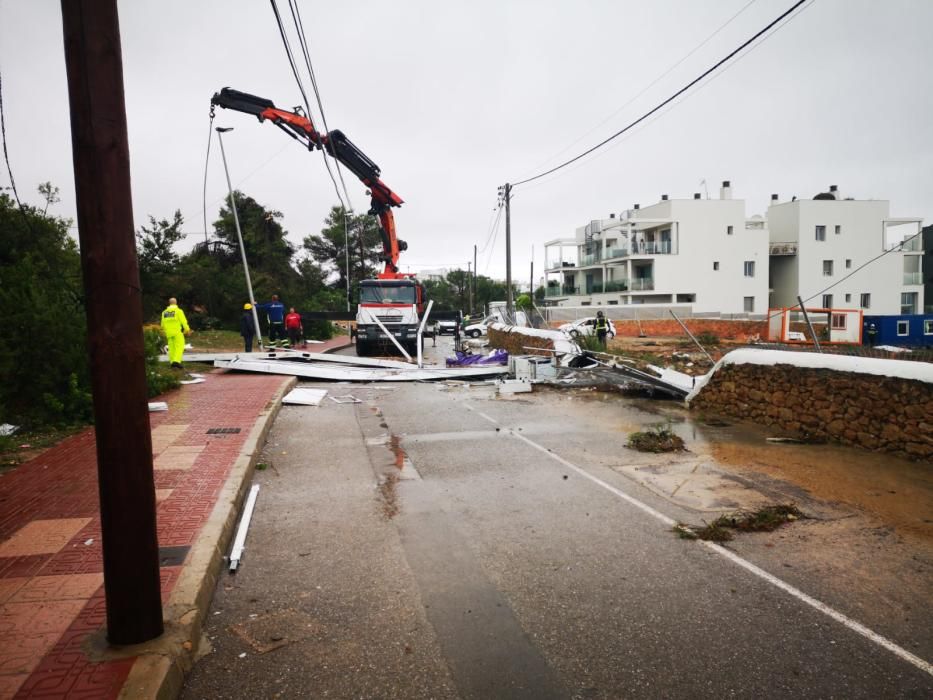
(329, 250)
(41, 295)
(765, 519)
(659, 438)
(707, 338)
(159, 376)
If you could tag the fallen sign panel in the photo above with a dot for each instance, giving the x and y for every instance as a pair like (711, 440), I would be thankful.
(359, 374)
(294, 356)
(304, 396)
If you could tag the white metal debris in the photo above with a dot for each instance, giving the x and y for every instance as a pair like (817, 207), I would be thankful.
(239, 544)
(347, 398)
(305, 396)
(8, 429)
(157, 406)
(361, 374)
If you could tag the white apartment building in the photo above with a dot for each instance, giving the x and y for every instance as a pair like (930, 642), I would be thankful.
(698, 252)
(817, 242)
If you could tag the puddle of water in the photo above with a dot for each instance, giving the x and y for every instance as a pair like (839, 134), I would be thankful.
(898, 491)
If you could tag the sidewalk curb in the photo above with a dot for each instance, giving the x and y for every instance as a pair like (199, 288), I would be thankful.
(160, 669)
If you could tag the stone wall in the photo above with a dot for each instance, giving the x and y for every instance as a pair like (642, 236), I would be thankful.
(886, 414)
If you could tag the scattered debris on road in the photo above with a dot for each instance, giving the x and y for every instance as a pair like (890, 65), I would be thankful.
(765, 519)
(659, 438)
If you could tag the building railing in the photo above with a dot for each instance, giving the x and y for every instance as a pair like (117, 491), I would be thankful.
(616, 252)
(785, 248)
(642, 284)
(558, 264)
(913, 278)
(590, 259)
(651, 247)
(912, 245)
(607, 287)
(561, 291)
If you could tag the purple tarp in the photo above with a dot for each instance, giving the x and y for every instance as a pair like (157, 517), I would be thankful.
(496, 357)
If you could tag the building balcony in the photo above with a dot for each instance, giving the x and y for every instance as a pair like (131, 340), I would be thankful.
(558, 265)
(642, 284)
(913, 278)
(785, 248)
(912, 245)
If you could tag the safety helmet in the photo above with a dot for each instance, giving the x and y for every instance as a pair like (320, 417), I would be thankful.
(599, 313)
(247, 307)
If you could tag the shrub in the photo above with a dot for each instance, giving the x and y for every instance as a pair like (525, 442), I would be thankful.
(708, 338)
(659, 438)
(159, 376)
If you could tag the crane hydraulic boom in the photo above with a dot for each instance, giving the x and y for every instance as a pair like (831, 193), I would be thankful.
(336, 144)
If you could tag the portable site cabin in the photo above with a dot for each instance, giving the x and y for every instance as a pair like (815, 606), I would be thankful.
(915, 330)
(788, 325)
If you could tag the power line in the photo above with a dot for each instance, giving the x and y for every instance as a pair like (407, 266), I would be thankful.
(300, 31)
(670, 99)
(651, 84)
(6, 157)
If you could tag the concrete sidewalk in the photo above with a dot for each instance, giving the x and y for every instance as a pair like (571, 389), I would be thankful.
(52, 608)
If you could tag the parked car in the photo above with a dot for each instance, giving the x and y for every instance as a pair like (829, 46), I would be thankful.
(585, 326)
(475, 330)
(445, 327)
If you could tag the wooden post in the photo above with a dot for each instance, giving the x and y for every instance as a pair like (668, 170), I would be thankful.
(93, 59)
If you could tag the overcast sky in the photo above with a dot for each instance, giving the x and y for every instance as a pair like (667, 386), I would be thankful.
(453, 99)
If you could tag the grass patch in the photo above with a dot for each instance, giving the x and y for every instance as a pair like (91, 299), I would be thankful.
(22, 446)
(765, 519)
(660, 438)
(216, 340)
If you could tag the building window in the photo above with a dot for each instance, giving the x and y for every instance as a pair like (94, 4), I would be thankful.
(908, 303)
(827, 268)
(728, 230)
(903, 328)
(848, 298)
(748, 303)
(715, 264)
(821, 233)
(928, 326)
(613, 302)
(749, 268)
(827, 301)
(848, 264)
(838, 229)
(838, 322)
(866, 301)
(686, 298)
(586, 303)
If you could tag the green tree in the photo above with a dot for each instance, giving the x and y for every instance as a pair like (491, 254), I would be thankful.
(329, 249)
(158, 262)
(42, 299)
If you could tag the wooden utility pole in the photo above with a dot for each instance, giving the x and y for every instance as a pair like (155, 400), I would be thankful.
(473, 281)
(509, 301)
(470, 285)
(93, 59)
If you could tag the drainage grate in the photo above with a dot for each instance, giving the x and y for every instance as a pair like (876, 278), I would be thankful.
(224, 431)
(173, 556)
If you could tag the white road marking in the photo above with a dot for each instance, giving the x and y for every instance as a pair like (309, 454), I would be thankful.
(856, 627)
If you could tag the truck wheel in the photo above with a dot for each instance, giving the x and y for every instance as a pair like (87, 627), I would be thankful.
(363, 348)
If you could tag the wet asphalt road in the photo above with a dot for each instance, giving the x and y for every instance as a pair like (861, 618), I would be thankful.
(437, 541)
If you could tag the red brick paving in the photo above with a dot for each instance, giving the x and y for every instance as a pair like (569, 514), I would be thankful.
(50, 530)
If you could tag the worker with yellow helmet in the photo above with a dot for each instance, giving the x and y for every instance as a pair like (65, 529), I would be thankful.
(247, 327)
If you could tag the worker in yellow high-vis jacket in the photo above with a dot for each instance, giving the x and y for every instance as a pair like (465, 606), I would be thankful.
(175, 326)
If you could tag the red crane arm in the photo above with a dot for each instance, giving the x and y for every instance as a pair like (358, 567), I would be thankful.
(336, 144)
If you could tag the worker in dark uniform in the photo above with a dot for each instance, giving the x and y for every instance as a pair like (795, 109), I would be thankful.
(275, 313)
(602, 328)
(247, 327)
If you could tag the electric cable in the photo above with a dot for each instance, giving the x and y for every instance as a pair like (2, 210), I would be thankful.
(307, 104)
(670, 99)
(302, 40)
(6, 158)
(650, 85)
(210, 133)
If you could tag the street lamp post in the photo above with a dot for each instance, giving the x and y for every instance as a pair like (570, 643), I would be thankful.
(239, 234)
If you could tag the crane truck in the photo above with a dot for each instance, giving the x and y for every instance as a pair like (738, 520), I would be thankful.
(394, 301)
